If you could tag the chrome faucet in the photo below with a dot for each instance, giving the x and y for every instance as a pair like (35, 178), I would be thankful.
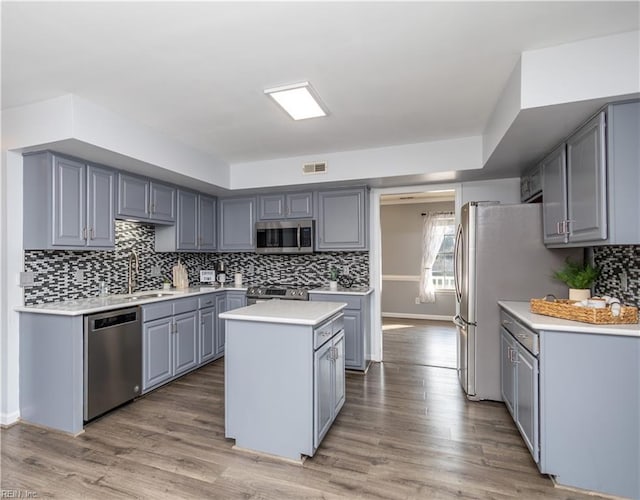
(134, 266)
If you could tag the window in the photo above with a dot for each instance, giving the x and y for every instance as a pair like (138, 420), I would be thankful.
(442, 270)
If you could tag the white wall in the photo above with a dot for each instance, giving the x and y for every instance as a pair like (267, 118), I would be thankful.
(502, 190)
(423, 158)
(588, 69)
(10, 293)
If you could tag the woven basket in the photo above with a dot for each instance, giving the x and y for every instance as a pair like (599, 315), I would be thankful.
(566, 310)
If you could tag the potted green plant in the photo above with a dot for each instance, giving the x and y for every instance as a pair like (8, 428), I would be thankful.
(578, 277)
(333, 278)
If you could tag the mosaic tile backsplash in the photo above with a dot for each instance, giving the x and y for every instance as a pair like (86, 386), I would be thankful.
(54, 269)
(612, 261)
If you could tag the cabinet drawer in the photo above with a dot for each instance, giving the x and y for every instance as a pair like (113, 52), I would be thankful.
(157, 311)
(185, 305)
(352, 301)
(206, 300)
(528, 338)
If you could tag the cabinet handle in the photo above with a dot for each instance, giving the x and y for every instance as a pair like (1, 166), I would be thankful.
(93, 233)
(567, 229)
(84, 233)
(558, 230)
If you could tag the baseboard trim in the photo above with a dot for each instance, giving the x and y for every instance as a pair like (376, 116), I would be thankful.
(8, 419)
(435, 317)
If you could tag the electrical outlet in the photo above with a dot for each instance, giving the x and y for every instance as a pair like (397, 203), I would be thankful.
(155, 271)
(345, 269)
(26, 278)
(78, 276)
(417, 300)
(624, 281)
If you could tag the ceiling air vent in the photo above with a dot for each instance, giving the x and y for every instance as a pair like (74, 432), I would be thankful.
(314, 168)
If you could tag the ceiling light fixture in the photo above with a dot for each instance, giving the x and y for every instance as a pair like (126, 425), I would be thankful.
(299, 100)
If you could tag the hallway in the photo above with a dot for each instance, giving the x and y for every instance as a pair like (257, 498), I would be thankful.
(419, 342)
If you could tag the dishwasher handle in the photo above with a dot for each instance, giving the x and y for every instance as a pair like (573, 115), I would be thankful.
(106, 321)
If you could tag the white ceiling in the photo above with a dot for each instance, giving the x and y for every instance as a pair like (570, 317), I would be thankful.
(389, 73)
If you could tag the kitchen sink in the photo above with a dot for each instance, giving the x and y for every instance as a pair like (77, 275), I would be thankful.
(149, 295)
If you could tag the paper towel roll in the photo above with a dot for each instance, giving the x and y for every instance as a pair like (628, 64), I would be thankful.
(238, 279)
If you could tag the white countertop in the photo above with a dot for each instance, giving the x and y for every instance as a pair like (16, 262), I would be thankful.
(78, 307)
(354, 290)
(292, 312)
(539, 322)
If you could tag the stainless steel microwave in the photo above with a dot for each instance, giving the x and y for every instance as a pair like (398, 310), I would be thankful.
(284, 236)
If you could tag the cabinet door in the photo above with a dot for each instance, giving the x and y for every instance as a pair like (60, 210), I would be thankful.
(221, 306)
(156, 352)
(586, 177)
(207, 349)
(206, 223)
(133, 196)
(299, 205)
(271, 207)
(69, 206)
(236, 300)
(554, 201)
(163, 202)
(341, 220)
(527, 400)
(236, 224)
(323, 398)
(185, 342)
(187, 227)
(507, 371)
(100, 207)
(353, 355)
(339, 378)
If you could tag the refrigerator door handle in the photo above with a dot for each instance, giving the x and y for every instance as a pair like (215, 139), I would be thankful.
(457, 274)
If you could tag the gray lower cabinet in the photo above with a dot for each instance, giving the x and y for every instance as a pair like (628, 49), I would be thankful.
(356, 327)
(342, 219)
(329, 385)
(285, 206)
(68, 204)
(236, 224)
(520, 390)
(145, 199)
(195, 227)
(590, 183)
(170, 336)
(208, 327)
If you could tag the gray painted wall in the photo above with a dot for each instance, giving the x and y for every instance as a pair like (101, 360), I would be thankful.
(401, 256)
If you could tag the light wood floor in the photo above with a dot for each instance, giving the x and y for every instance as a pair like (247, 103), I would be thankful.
(405, 432)
(419, 342)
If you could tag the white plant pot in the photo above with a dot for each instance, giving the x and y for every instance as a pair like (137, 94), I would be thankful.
(333, 285)
(579, 294)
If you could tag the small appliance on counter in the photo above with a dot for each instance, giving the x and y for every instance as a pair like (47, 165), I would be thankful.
(222, 276)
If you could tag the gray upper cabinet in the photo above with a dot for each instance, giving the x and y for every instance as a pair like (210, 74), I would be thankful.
(587, 182)
(187, 226)
(342, 220)
(591, 191)
(144, 199)
(285, 206)
(236, 224)
(206, 223)
(67, 204)
(554, 201)
(195, 228)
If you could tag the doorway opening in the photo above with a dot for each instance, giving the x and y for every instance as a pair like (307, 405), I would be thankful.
(417, 300)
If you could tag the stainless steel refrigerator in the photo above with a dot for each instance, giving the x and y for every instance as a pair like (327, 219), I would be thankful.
(499, 255)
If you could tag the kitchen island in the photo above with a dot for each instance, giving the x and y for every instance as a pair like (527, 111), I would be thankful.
(574, 393)
(284, 375)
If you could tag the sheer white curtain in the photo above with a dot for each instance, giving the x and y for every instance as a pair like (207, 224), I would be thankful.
(433, 229)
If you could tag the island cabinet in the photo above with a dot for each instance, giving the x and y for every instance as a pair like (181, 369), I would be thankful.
(284, 375)
(591, 181)
(577, 404)
(236, 224)
(145, 200)
(285, 206)
(342, 219)
(68, 204)
(169, 340)
(226, 302)
(356, 326)
(195, 227)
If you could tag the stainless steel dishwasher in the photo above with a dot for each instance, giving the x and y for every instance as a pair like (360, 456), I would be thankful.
(112, 360)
